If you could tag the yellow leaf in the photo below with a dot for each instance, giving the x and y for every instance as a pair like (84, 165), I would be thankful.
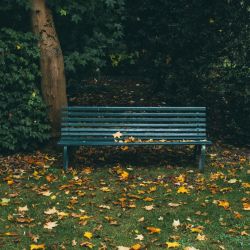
(136, 247)
(18, 47)
(85, 217)
(105, 189)
(88, 235)
(148, 199)
(172, 244)
(152, 189)
(35, 247)
(182, 190)
(124, 175)
(10, 182)
(223, 203)
(196, 230)
(10, 234)
(153, 230)
(180, 178)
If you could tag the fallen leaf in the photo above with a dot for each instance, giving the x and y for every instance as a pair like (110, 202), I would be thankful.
(149, 208)
(73, 243)
(223, 203)
(190, 248)
(9, 234)
(148, 199)
(182, 190)
(36, 247)
(123, 248)
(87, 244)
(50, 225)
(105, 189)
(4, 202)
(87, 170)
(23, 209)
(246, 206)
(141, 219)
(231, 181)
(196, 230)
(172, 244)
(174, 204)
(176, 224)
(117, 134)
(201, 237)
(153, 230)
(139, 237)
(124, 176)
(136, 247)
(51, 211)
(45, 193)
(88, 235)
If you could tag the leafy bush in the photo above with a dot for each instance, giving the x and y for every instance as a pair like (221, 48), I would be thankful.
(22, 111)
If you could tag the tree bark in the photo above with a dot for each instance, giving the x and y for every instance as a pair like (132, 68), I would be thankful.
(53, 82)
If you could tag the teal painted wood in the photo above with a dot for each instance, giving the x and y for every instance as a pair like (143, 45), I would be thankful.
(101, 119)
(65, 157)
(138, 125)
(95, 126)
(103, 143)
(92, 108)
(202, 158)
(133, 129)
(132, 114)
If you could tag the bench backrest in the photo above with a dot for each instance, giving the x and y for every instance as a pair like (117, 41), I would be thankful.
(100, 123)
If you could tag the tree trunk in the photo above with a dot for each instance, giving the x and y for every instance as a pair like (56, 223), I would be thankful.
(53, 83)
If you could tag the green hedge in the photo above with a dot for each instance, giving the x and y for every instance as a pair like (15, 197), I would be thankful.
(23, 120)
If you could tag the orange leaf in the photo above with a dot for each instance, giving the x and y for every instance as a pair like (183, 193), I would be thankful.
(246, 206)
(153, 230)
(136, 247)
(223, 203)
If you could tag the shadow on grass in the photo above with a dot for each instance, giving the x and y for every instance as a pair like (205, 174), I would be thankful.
(133, 156)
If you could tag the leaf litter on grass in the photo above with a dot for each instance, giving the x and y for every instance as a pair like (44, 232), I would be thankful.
(120, 205)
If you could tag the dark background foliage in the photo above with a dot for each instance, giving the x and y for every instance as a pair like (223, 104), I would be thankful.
(22, 112)
(194, 52)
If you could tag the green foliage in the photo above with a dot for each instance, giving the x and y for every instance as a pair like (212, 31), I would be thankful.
(196, 53)
(95, 33)
(22, 111)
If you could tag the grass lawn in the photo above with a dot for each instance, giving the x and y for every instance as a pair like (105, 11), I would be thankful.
(126, 199)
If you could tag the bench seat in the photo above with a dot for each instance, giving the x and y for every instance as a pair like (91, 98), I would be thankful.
(134, 126)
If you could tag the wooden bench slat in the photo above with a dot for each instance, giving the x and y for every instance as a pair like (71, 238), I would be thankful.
(144, 114)
(161, 125)
(132, 134)
(98, 143)
(113, 130)
(117, 120)
(103, 108)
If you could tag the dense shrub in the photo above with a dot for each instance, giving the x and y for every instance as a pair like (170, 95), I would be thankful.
(22, 112)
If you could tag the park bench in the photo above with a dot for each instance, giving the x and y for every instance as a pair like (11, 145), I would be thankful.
(131, 126)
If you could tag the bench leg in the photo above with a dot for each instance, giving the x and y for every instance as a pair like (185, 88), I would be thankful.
(196, 152)
(65, 157)
(202, 158)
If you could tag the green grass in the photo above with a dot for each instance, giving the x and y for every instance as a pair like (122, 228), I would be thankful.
(157, 180)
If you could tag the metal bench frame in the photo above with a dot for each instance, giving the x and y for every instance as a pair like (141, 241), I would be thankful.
(97, 126)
